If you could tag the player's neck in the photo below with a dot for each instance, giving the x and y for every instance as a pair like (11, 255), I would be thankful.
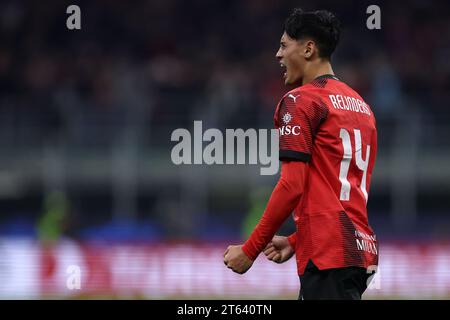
(316, 69)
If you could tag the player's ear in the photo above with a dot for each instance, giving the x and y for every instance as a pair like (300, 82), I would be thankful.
(309, 49)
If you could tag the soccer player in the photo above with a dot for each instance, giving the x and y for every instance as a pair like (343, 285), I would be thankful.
(328, 144)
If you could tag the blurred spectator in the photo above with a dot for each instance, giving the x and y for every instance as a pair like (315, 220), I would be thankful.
(54, 223)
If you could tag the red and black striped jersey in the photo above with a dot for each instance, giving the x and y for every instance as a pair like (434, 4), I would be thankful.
(328, 125)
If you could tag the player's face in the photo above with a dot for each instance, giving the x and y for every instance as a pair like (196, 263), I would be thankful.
(291, 60)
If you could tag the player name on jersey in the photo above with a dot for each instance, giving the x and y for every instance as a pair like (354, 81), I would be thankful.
(349, 103)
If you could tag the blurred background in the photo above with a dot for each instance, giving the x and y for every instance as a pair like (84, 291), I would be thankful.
(86, 117)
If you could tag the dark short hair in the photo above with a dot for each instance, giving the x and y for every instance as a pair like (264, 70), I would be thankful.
(321, 26)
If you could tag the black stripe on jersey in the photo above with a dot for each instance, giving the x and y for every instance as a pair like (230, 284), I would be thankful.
(322, 81)
(327, 76)
(294, 155)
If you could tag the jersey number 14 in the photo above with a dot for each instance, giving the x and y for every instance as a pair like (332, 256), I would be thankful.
(345, 163)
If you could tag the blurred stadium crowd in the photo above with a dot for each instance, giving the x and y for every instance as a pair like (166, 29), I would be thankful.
(86, 116)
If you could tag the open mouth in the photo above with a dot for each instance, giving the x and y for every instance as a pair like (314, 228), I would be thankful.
(283, 67)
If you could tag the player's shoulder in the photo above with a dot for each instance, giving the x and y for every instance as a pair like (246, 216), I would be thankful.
(299, 96)
(313, 93)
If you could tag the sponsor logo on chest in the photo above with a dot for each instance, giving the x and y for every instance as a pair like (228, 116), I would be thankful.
(288, 129)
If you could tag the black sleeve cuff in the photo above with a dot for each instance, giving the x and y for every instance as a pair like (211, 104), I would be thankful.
(294, 155)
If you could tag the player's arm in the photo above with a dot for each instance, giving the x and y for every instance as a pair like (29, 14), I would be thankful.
(282, 202)
(302, 116)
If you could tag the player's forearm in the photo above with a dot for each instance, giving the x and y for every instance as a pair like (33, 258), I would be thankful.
(282, 202)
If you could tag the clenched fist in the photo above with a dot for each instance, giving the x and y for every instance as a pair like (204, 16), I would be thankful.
(236, 260)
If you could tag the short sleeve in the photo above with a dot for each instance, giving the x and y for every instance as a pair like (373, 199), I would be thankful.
(297, 119)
